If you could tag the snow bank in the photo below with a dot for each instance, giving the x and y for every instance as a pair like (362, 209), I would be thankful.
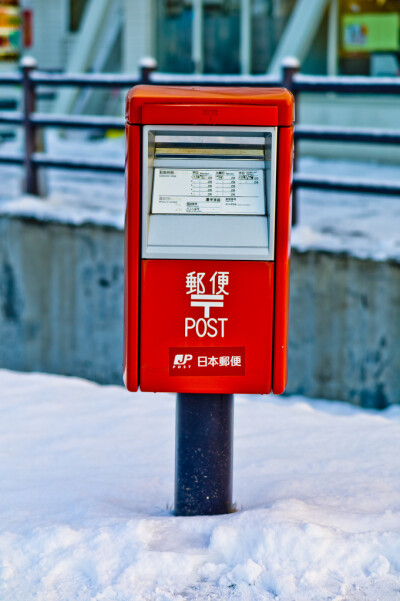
(87, 487)
(56, 209)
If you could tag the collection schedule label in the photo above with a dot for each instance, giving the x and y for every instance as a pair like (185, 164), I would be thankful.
(208, 191)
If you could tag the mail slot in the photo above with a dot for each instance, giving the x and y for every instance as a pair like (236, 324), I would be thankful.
(207, 247)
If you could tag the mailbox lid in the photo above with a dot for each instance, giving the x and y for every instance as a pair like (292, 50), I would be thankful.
(197, 105)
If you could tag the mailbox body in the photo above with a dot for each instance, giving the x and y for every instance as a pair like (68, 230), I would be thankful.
(207, 239)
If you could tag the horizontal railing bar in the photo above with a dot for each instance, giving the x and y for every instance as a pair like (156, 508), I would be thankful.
(299, 180)
(12, 159)
(301, 83)
(346, 185)
(78, 121)
(11, 117)
(12, 78)
(346, 84)
(215, 80)
(302, 132)
(43, 160)
(107, 80)
(309, 83)
(117, 80)
(346, 134)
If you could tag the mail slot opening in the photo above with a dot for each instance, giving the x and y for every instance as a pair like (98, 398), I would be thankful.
(222, 147)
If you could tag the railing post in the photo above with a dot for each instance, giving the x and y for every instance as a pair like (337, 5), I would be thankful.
(291, 66)
(147, 65)
(28, 64)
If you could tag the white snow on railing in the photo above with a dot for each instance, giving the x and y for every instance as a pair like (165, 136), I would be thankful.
(157, 77)
(346, 80)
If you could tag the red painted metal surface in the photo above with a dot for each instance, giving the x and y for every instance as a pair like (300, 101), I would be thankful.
(210, 114)
(195, 348)
(177, 341)
(140, 99)
(27, 28)
(282, 257)
(132, 241)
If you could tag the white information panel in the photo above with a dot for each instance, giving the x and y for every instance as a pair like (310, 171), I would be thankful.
(207, 191)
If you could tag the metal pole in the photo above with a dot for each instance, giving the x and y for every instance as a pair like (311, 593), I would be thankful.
(28, 64)
(245, 37)
(291, 66)
(203, 454)
(333, 35)
(197, 36)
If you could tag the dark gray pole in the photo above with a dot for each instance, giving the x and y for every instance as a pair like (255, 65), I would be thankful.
(28, 64)
(203, 454)
(291, 66)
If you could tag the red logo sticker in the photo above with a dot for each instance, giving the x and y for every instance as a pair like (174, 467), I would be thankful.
(207, 361)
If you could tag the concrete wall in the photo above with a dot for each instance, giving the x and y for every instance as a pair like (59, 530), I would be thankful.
(345, 328)
(61, 299)
(61, 311)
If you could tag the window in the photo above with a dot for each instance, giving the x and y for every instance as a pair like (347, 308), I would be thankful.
(76, 10)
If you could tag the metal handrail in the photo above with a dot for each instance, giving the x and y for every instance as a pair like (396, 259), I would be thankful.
(7, 79)
(93, 80)
(347, 184)
(41, 159)
(346, 84)
(347, 134)
(253, 81)
(77, 121)
(12, 159)
(11, 117)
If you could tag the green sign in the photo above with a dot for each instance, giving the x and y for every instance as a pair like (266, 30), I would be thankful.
(370, 32)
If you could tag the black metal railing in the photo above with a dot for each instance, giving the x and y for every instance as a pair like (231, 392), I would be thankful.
(31, 79)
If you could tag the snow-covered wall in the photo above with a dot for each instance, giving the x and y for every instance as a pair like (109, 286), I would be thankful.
(61, 311)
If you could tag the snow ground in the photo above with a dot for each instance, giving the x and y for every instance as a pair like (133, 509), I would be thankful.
(363, 225)
(87, 476)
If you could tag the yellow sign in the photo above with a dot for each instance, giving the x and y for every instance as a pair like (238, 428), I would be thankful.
(10, 32)
(371, 32)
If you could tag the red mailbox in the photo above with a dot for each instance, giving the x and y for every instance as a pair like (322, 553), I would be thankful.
(207, 248)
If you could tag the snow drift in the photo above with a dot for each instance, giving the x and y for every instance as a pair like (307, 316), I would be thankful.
(87, 486)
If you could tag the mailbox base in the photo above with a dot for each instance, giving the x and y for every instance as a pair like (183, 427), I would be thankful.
(203, 460)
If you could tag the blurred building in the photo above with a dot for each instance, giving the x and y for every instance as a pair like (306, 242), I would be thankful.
(214, 36)
(329, 37)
